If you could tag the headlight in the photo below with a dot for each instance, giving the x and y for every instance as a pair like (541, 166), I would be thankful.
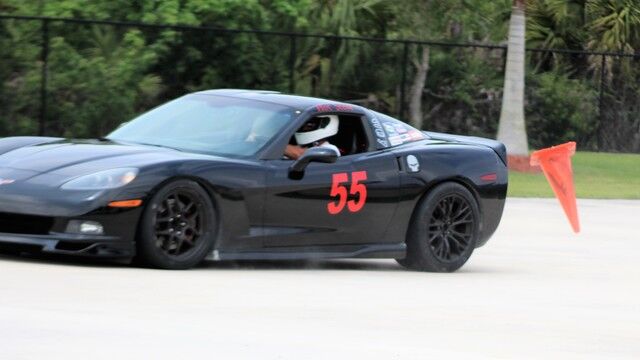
(108, 179)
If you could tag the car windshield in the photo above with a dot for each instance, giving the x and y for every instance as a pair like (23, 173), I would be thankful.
(208, 124)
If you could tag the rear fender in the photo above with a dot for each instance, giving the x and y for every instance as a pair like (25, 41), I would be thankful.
(496, 146)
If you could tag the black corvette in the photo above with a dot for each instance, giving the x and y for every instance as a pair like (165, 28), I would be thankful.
(205, 176)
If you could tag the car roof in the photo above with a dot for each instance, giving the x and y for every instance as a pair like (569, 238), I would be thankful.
(275, 97)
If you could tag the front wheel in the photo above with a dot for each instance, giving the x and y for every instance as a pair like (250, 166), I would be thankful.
(443, 231)
(178, 225)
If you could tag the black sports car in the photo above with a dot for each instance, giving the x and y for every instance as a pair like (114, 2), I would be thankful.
(206, 176)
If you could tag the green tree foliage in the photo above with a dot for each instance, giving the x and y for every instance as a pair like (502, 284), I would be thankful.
(323, 62)
(614, 24)
(446, 97)
(599, 25)
(100, 76)
(92, 91)
(561, 109)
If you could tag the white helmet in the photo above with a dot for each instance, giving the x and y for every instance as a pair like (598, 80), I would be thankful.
(318, 128)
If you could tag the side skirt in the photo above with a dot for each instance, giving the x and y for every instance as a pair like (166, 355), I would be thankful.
(373, 251)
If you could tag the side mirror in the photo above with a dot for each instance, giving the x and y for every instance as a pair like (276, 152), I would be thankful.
(315, 154)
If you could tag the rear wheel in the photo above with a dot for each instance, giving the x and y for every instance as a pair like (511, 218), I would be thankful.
(178, 227)
(443, 231)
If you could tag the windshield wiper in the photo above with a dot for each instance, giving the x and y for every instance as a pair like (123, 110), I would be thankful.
(144, 144)
(158, 145)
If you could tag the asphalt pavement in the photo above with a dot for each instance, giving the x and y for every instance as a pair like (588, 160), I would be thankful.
(535, 290)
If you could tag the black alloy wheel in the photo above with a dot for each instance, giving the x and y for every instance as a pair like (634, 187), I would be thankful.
(178, 227)
(178, 223)
(451, 228)
(443, 230)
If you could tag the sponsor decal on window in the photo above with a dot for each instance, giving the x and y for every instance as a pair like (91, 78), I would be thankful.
(381, 136)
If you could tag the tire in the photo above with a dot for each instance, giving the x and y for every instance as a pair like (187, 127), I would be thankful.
(178, 227)
(443, 230)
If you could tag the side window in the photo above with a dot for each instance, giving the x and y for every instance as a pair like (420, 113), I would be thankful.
(395, 131)
(350, 137)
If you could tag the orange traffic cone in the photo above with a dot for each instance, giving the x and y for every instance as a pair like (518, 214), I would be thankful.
(556, 165)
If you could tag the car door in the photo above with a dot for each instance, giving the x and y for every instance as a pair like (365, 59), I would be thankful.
(347, 202)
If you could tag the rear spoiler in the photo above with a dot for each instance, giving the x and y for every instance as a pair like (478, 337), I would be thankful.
(496, 146)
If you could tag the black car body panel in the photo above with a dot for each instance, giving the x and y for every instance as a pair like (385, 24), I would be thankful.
(262, 212)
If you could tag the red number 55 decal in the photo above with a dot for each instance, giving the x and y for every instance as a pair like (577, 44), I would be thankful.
(340, 192)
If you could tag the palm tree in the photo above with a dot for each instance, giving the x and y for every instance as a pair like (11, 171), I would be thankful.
(614, 25)
(511, 130)
(429, 20)
(326, 62)
(555, 24)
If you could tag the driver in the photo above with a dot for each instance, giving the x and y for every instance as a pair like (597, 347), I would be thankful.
(314, 133)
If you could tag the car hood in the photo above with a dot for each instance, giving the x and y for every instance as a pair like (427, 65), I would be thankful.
(74, 158)
(31, 176)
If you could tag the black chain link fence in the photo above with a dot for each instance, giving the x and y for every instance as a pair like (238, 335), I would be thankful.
(81, 78)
